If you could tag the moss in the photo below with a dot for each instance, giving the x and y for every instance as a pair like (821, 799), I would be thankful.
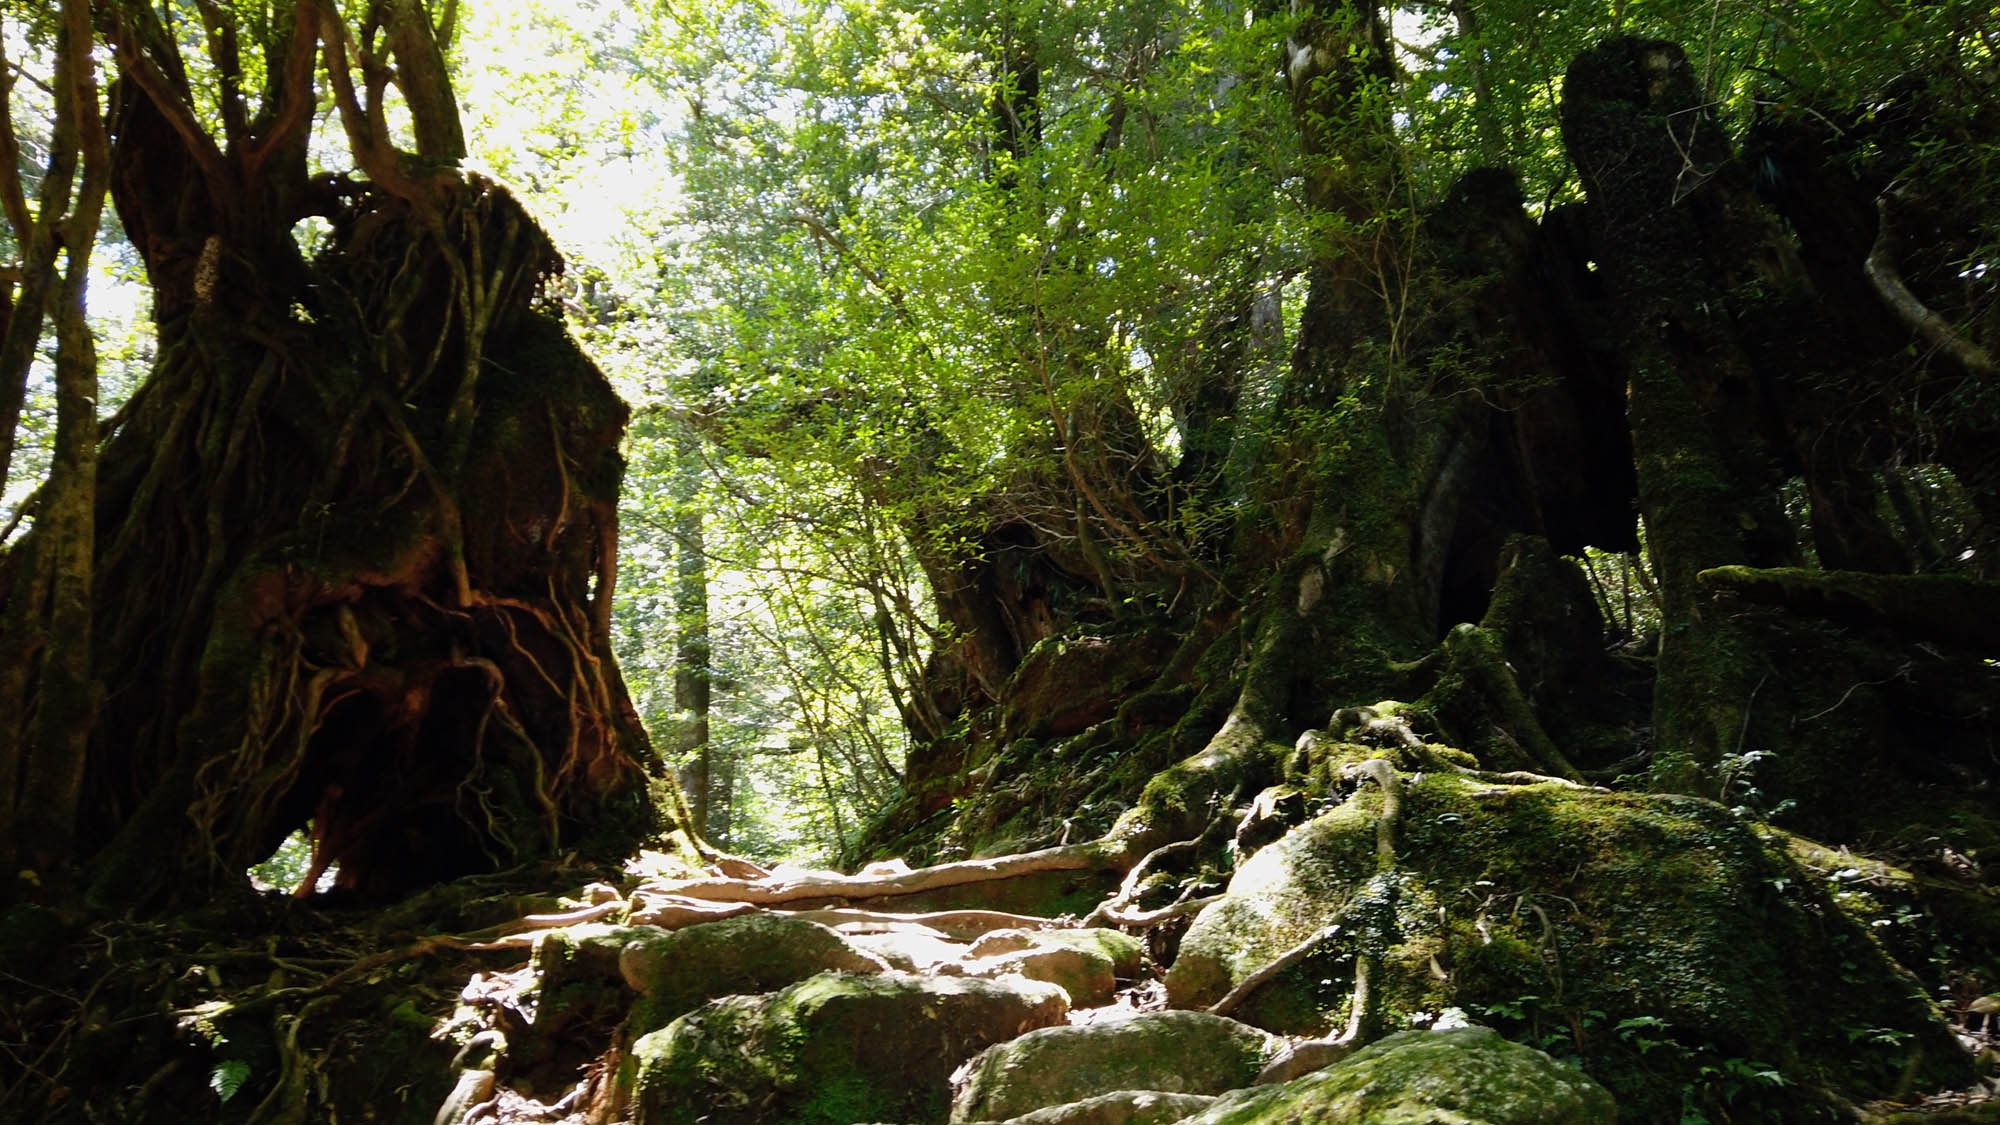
(829, 1050)
(1178, 1052)
(1944, 930)
(1561, 913)
(1468, 1076)
(677, 970)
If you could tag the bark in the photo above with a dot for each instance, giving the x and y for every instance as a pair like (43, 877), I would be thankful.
(355, 534)
(1651, 158)
(693, 685)
(43, 749)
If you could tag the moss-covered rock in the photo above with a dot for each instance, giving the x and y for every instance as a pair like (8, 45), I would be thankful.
(1466, 1076)
(1087, 963)
(1122, 1107)
(908, 946)
(1684, 959)
(831, 1050)
(1084, 974)
(678, 970)
(1176, 1052)
(1124, 951)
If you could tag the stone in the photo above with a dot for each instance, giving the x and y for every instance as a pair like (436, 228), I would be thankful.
(1466, 1076)
(830, 1050)
(1172, 1052)
(908, 946)
(1084, 974)
(1614, 915)
(676, 971)
(1121, 1107)
(1125, 952)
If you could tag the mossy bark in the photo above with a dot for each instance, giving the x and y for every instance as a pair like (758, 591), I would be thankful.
(1664, 198)
(355, 542)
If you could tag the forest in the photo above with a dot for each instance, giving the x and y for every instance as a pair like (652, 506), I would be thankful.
(1042, 562)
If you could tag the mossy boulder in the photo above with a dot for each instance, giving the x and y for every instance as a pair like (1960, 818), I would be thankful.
(907, 946)
(1122, 1107)
(676, 971)
(834, 1049)
(1125, 952)
(1465, 1076)
(1682, 957)
(1175, 1052)
(1084, 974)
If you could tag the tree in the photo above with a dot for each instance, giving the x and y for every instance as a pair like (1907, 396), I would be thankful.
(50, 616)
(356, 534)
(1045, 314)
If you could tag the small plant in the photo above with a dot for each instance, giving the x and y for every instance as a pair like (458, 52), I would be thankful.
(228, 1077)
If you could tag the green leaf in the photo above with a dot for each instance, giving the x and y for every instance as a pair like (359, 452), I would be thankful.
(228, 1077)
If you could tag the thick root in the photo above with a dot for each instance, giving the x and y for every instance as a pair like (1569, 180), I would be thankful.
(776, 890)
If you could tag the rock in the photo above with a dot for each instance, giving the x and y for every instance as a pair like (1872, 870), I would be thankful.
(474, 1088)
(1271, 815)
(1086, 962)
(678, 970)
(1124, 951)
(1123, 1107)
(907, 946)
(1173, 1052)
(1467, 1076)
(1554, 906)
(1084, 974)
(833, 1049)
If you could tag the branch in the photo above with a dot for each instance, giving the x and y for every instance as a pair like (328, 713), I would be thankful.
(425, 81)
(13, 199)
(364, 136)
(1881, 270)
(223, 50)
(292, 89)
(169, 96)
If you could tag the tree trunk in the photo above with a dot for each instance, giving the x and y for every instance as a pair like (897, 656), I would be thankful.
(693, 684)
(46, 677)
(355, 535)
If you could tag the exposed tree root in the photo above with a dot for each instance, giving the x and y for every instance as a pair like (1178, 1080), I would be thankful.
(963, 925)
(1278, 964)
(1313, 1054)
(777, 889)
(1117, 909)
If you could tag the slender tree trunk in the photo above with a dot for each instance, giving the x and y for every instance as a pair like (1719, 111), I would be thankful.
(44, 748)
(693, 684)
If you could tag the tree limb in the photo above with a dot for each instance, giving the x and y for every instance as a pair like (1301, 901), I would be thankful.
(1881, 270)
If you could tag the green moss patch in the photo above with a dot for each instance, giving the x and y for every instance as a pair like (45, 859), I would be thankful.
(1684, 960)
(833, 1049)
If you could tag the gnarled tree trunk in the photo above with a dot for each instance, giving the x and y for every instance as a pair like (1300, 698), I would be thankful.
(356, 534)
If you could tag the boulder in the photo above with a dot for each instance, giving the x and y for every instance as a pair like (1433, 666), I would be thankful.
(676, 971)
(1123, 1107)
(1466, 1076)
(1084, 974)
(1677, 949)
(834, 1049)
(1125, 952)
(908, 946)
(1172, 1052)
